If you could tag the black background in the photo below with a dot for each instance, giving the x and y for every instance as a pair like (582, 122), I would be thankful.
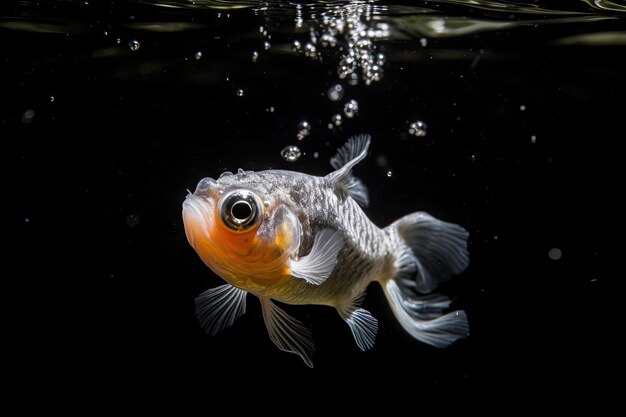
(105, 279)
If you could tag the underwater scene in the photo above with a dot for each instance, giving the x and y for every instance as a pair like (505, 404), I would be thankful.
(499, 116)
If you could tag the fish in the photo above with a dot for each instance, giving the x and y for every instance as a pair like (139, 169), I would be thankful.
(291, 238)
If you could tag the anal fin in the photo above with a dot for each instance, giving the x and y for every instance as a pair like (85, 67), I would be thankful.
(287, 333)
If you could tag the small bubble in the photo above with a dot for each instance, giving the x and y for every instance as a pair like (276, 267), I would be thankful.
(495, 237)
(198, 55)
(271, 109)
(353, 79)
(132, 220)
(381, 161)
(472, 158)
(389, 174)
(337, 119)
(335, 93)
(240, 92)
(261, 29)
(26, 220)
(296, 46)
(266, 45)
(316, 155)
(555, 254)
(423, 42)
(133, 45)
(27, 116)
(118, 41)
(351, 109)
(533, 139)
(51, 99)
(522, 108)
(255, 56)
(291, 153)
(418, 129)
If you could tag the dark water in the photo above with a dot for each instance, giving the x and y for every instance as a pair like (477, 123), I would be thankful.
(111, 110)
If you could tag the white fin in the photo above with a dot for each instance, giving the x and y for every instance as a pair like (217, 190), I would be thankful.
(346, 158)
(217, 308)
(439, 330)
(317, 266)
(286, 332)
(362, 324)
(436, 250)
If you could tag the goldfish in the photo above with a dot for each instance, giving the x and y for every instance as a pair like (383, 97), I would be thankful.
(293, 238)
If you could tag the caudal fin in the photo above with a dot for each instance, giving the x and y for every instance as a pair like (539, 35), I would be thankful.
(432, 251)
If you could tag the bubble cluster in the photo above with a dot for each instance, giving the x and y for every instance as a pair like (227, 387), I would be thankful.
(335, 93)
(291, 153)
(418, 129)
(351, 29)
(304, 130)
(335, 121)
(351, 108)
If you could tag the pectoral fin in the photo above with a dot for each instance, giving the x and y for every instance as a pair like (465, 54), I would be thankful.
(217, 308)
(317, 266)
(286, 332)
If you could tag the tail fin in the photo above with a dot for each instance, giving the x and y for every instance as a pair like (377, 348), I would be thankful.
(432, 252)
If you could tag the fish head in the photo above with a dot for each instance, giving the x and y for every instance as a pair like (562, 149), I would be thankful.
(244, 228)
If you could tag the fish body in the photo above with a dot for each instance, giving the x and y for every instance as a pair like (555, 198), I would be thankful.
(301, 239)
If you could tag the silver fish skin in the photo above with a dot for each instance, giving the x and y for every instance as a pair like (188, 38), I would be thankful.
(302, 239)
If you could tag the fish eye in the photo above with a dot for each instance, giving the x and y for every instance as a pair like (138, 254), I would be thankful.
(240, 210)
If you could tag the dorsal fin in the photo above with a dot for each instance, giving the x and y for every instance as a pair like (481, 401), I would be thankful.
(346, 158)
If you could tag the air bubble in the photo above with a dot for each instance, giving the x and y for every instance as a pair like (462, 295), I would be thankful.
(337, 120)
(255, 56)
(266, 45)
(423, 42)
(291, 153)
(27, 116)
(240, 92)
(133, 45)
(132, 220)
(555, 254)
(296, 46)
(198, 55)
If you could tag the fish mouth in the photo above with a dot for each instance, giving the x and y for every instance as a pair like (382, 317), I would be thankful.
(196, 218)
